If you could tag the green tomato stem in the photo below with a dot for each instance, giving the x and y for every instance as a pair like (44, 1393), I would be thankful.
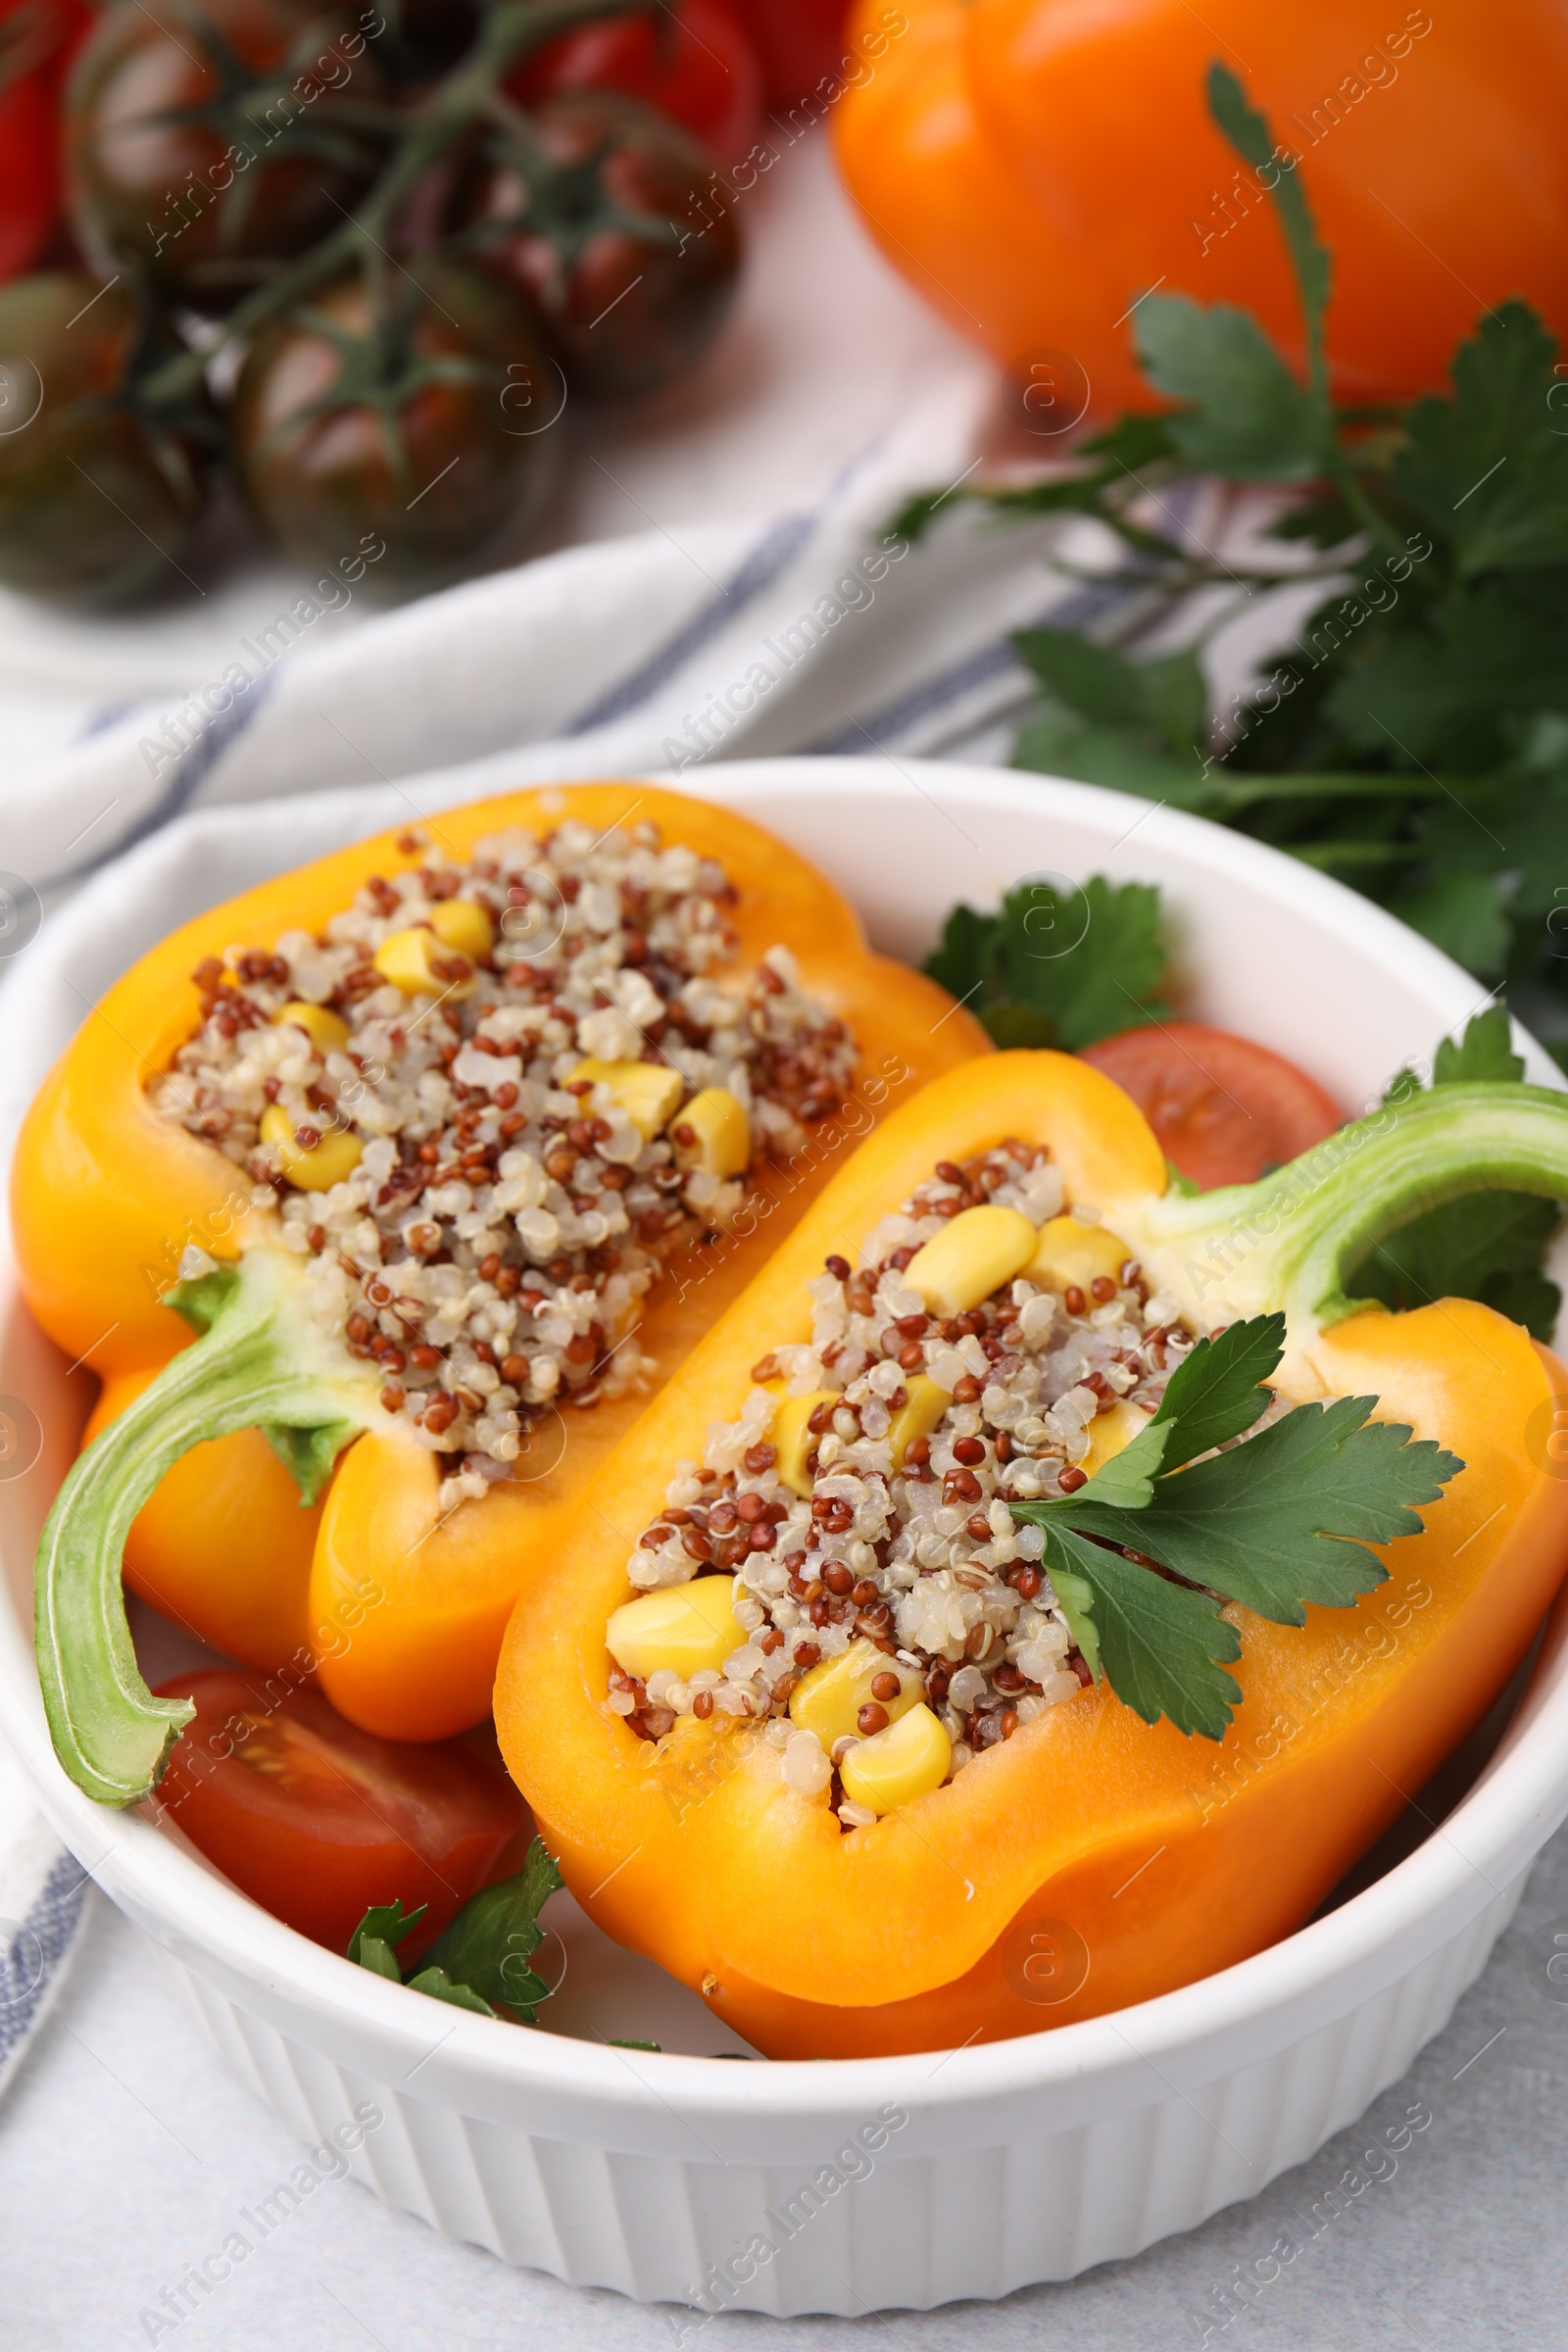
(263, 1361)
(509, 33)
(1294, 1239)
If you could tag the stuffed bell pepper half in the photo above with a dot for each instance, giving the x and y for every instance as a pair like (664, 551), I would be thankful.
(449, 1148)
(1045, 1581)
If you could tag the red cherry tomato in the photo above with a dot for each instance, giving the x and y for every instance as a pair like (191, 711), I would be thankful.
(799, 43)
(317, 1820)
(1223, 1110)
(36, 39)
(27, 175)
(690, 59)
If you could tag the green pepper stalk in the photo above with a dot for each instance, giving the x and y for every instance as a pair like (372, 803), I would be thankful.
(1295, 1237)
(261, 1361)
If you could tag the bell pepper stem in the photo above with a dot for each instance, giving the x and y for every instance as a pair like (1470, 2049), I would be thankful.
(263, 1361)
(1295, 1237)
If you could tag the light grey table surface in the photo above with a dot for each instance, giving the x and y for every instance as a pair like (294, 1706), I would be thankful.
(127, 2151)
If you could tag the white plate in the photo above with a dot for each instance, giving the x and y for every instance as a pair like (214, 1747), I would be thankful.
(777, 2188)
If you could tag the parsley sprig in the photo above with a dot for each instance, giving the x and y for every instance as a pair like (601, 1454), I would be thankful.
(1278, 1524)
(481, 1962)
(1413, 737)
(1058, 967)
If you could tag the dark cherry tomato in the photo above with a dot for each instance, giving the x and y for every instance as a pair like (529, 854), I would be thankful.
(428, 426)
(688, 58)
(1222, 1108)
(202, 143)
(96, 503)
(37, 38)
(426, 37)
(316, 1820)
(801, 44)
(623, 239)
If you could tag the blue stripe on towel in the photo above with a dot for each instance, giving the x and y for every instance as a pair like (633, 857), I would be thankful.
(180, 788)
(976, 668)
(756, 572)
(30, 1963)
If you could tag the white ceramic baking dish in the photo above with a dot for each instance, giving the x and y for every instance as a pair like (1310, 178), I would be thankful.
(839, 2186)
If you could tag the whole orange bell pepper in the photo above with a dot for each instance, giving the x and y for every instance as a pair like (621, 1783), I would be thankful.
(399, 1606)
(1092, 1859)
(939, 195)
(1083, 170)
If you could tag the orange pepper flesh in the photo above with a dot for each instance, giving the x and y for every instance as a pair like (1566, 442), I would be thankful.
(1431, 159)
(94, 1159)
(938, 196)
(1164, 1857)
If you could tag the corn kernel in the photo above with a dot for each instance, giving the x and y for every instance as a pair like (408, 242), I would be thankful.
(464, 928)
(918, 1418)
(969, 1258)
(406, 958)
(722, 1134)
(646, 1091)
(684, 1626)
(828, 1701)
(1070, 1255)
(795, 1441)
(318, 1169)
(326, 1033)
(1109, 1432)
(908, 1759)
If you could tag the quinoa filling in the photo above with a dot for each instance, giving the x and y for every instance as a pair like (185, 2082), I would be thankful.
(491, 1098)
(920, 1558)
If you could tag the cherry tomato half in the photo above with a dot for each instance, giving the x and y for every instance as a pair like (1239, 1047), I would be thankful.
(316, 1820)
(1222, 1108)
(691, 60)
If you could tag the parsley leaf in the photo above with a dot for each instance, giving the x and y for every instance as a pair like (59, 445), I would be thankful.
(1283, 1520)
(1482, 1055)
(490, 1943)
(377, 1955)
(1489, 1246)
(1217, 1390)
(1163, 1649)
(1279, 1523)
(1056, 969)
(480, 1962)
(440, 1987)
(1245, 417)
(1136, 726)
(385, 1924)
(1482, 467)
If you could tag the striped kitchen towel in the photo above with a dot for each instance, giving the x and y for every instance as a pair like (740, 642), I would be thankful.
(814, 630)
(43, 1891)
